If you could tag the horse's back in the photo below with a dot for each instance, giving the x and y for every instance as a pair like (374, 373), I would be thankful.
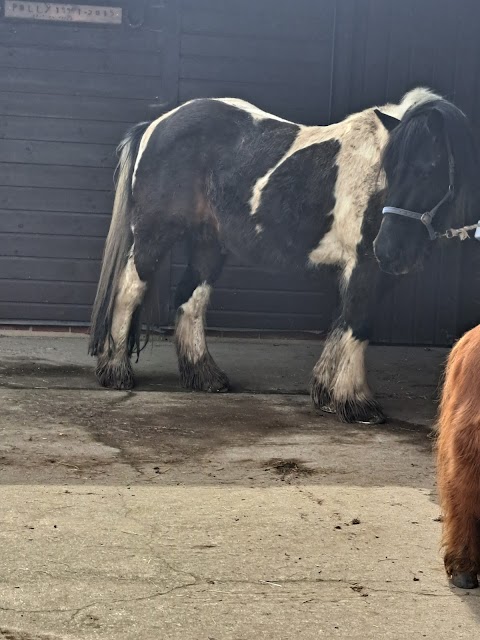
(213, 122)
(210, 136)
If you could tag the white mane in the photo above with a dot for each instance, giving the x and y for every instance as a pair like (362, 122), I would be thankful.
(416, 96)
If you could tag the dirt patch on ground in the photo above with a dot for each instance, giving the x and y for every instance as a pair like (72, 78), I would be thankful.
(287, 469)
(184, 438)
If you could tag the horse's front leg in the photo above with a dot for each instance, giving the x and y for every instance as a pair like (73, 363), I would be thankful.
(339, 382)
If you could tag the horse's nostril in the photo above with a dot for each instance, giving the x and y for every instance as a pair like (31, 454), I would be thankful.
(382, 252)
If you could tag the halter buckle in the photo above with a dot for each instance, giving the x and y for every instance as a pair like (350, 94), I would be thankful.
(426, 218)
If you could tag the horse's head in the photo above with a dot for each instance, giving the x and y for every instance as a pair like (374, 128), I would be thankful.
(430, 167)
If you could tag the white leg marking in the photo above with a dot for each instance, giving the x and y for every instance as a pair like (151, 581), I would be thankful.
(190, 330)
(350, 379)
(341, 368)
(130, 293)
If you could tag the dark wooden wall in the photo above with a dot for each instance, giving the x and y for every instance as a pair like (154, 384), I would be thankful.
(316, 61)
(67, 93)
(280, 57)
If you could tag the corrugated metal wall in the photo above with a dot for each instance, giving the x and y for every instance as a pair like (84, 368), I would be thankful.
(67, 93)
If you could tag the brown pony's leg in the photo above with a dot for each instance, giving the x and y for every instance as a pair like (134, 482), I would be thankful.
(458, 462)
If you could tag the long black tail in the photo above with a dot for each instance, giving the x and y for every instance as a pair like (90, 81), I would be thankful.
(118, 244)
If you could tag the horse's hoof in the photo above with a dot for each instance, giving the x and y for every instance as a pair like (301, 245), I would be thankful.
(114, 375)
(220, 383)
(366, 412)
(328, 408)
(203, 375)
(225, 388)
(464, 580)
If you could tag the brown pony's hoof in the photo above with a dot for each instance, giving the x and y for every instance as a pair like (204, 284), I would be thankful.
(464, 580)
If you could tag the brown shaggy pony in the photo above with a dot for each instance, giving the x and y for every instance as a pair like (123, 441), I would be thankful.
(458, 461)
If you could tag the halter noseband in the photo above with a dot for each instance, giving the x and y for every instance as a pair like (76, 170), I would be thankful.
(427, 217)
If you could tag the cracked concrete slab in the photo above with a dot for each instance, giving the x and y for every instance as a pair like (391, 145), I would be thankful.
(163, 514)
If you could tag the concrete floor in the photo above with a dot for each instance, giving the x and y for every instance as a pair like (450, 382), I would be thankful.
(159, 514)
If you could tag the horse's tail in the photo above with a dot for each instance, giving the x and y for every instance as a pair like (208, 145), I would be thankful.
(118, 243)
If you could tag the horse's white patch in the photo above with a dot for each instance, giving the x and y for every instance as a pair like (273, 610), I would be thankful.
(256, 113)
(341, 369)
(350, 378)
(130, 293)
(258, 229)
(305, 137)
(358, 178)
(362, 138)
(190, 329)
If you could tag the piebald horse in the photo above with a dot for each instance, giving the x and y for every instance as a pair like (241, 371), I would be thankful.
(229, 178)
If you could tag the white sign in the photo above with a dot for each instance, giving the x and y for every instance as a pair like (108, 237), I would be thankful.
(62, 12)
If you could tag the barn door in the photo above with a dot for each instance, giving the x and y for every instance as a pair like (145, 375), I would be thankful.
(73, 78)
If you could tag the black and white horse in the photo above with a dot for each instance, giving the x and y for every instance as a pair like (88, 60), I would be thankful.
(230, 178)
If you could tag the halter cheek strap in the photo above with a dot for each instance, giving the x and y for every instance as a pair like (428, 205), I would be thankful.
(427, 217)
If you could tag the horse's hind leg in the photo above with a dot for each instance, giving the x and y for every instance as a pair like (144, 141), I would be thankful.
(458, 470)
(114, 368)
(113, 365)
(339, 382)
(461, 531)
(198, 370)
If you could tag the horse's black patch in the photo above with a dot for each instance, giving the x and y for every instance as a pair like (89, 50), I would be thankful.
(296, 203)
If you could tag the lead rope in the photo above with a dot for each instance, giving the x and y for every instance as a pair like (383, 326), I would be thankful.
(463, 232)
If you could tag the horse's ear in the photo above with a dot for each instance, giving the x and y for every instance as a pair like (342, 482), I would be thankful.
(389, 122)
